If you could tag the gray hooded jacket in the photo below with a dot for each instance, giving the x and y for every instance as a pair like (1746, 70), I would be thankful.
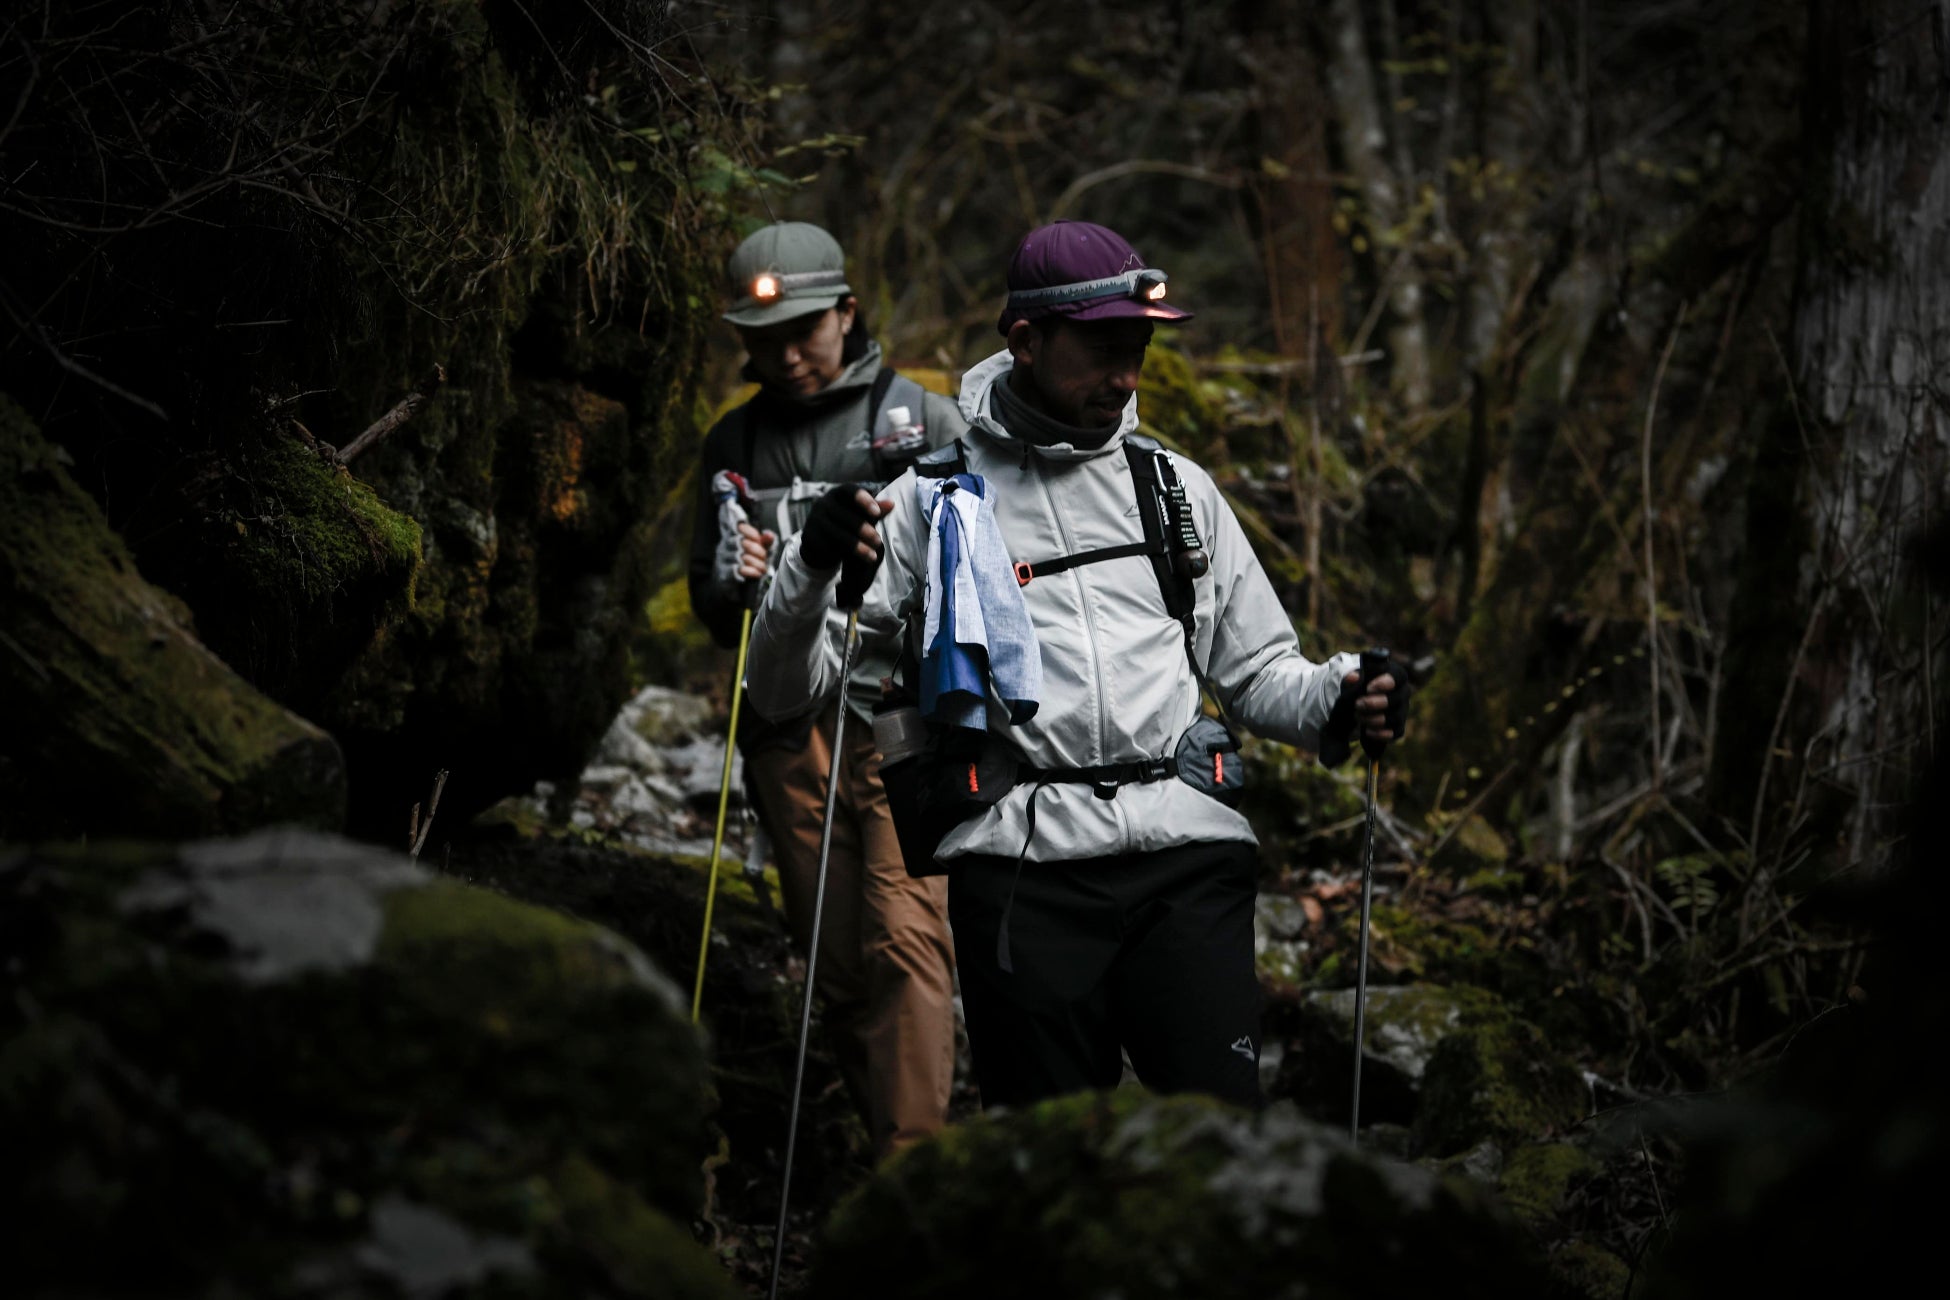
(790, 452)
(1116, 684)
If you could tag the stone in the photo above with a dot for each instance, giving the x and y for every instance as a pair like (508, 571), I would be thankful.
(297, 1065)
(1143, 1198)
(118, 719)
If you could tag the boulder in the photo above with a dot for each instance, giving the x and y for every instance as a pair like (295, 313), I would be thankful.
(295, 1065)
(1454, 1062)
(1140, 1197)
(118, 719)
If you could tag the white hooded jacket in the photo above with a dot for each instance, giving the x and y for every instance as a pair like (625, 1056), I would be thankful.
(1116, 685)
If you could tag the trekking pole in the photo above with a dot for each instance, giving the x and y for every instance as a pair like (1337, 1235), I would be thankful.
(852, 607)
(1374, 663)
(724, 800)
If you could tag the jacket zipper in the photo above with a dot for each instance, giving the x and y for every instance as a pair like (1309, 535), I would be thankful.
(1096, 651)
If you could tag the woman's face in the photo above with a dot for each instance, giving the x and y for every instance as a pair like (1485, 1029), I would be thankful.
(799, 357)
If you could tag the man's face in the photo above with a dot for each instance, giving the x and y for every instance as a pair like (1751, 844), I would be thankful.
(800, 356)
(1082, 372)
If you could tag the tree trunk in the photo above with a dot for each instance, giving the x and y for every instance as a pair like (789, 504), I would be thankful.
(1364, 143)
(1870, 353)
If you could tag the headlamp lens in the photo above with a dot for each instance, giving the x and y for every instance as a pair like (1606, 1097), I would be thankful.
(1150, 285)
(765, 287)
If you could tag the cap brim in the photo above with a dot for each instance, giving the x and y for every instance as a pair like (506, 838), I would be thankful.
(1130, 309)
(783, 310)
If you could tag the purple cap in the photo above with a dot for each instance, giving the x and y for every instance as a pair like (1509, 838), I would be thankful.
(1085, 272)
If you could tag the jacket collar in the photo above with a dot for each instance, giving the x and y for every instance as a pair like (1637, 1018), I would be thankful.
(860, 374)
(976, 408)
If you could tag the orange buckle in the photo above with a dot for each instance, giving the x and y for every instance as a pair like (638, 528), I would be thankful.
(1023, 573)
(973, 786)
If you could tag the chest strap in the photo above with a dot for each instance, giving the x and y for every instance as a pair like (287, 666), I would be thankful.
(1025, 570)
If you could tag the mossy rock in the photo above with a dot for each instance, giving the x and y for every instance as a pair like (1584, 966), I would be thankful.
(1177, 405)
(296, 565)
(1405, 1025)
(1139, 1197)
(292, 1064)
(1584, 1270)
(1496, 1077)
(117, 718)
(1537, 1179)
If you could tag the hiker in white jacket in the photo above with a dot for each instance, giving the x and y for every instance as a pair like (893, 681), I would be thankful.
(1104, 901)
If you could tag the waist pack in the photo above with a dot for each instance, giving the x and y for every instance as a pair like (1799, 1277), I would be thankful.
(936, 778)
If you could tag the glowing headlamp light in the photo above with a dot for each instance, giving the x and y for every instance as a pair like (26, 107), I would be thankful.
(767, 287)
(1145, 285)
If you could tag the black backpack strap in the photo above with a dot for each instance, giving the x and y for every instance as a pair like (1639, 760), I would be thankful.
(1169, 531)
(876, 397)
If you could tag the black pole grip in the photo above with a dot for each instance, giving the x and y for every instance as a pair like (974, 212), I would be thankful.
(856, 575)
(1375, 663)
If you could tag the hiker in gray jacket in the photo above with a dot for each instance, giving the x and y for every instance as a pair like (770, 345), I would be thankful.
(829, 411)
(1107, 899)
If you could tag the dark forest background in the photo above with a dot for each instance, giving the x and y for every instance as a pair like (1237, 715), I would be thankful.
(1593, 355)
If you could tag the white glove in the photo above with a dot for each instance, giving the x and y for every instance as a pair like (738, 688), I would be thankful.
(729, 491)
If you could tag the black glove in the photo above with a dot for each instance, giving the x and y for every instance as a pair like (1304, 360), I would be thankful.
(833, 527)
(856, 575)
(1337, 736)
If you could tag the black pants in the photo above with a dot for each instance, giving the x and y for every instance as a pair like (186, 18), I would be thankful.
(1150, 951)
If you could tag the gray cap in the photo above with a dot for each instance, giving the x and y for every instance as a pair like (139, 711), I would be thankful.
(787, 269)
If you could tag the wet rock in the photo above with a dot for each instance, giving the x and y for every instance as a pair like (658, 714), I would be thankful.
(1404, 1025)
(294, 1065)
(1142, 1197)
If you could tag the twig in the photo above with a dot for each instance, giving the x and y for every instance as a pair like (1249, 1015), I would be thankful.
(1146, 167)
(408, 406)
(1651, 573)
(422, 829)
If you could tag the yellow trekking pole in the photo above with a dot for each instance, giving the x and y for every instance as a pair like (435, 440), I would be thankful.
(724, 803)
(732, 496)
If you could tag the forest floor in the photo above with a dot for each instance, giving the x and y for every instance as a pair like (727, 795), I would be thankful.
(629, 847)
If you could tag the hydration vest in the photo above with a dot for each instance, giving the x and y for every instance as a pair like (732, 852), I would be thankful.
(890, 389)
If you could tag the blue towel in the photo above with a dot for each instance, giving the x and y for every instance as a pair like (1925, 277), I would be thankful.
(976, 631)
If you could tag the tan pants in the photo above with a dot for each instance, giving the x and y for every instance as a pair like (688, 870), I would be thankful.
(885, 971)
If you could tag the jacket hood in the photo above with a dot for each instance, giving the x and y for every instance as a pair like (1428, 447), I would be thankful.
(975, 408)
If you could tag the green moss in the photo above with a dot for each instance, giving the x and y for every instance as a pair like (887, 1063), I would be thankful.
(1475, 847)
(108, 687)
(1536, 1179)
(325, 536)
(520, 1071)
(1144, 1197)
(1177, 405)
(641, 1252)
(1586, 1271)
(1495, 1076)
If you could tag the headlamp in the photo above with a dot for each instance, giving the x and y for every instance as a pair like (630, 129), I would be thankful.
(767, 287)
(1145, 285)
